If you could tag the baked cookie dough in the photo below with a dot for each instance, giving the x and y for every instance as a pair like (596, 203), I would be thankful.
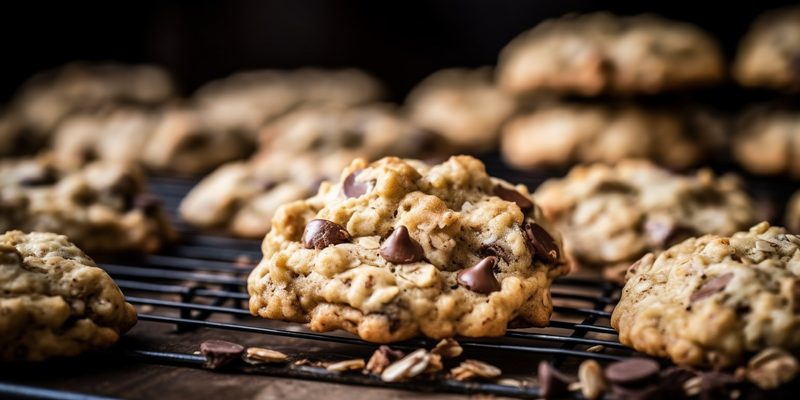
(600, 53)
(566, 133)
(54, 300)
(102, 207)
(297, 152)
(767, 141)
(792, 213)
(769, 54)
(713, 300)
(463, 106)
(610, 216)
(399, 248)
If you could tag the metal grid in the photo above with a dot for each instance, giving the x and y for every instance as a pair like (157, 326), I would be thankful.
(207, 274)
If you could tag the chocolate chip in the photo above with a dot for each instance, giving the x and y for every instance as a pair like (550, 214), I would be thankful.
(220, 353)
(400, 248)
(672, 380)
(634, 372)
(543, 244)
(321, 233)
(713, 286)
(716, 385)
(552, 383)
(514, 196)
(353, 188)
(495, 250)
(146, 202)
(649, 392)
(46, 177)
(479, 277)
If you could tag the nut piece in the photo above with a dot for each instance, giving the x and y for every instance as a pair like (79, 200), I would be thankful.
(771, 368)
(382, 358)
(590, 375)
(475, 369)
(409, 367)
(434, 365)
(596, 349)
(448, 348)
(257, 355)
(692, 387)
(347, 365)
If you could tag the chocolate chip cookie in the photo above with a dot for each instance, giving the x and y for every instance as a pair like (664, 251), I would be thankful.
(713, 300)
(769, 54)
(565, 133)
(102, 207)
(297, 152)
(464, 106)
(612, 215)
(767, 140)
(399, 248)
(54, 300)
(601, 53)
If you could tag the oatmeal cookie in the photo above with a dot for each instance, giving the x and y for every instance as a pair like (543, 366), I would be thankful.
(713, 300)
(602, 53)
(54, 300)
(102, 207)
(769, 54)
(464, 106)
(399, 248)
(767, 140)
(611, 216)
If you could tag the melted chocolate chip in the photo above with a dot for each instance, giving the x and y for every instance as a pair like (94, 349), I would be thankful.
(514, 196)
(146, 202)
(479, 277)
(219, 353)
(401, 248)
(544, 245)
(672, 380)
(713, 286)
(495, 250)
(321, 233)
(553, 384)
(353, 188)
(717, 385)
(634, 372)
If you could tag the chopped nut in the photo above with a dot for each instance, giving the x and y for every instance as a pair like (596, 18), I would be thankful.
(382, 358)
(309, 363)
(474, 369)
(434, 365)
(590, 375)
(692, 387)
(510, 382)
(347, 365)
(596, 349)
(448, 348)
(256, 355)
(764, 246)
(409, 367)
(735, 394)
(574, 386)
(771, 368)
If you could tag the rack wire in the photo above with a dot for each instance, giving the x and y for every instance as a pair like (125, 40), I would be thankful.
(207, 275)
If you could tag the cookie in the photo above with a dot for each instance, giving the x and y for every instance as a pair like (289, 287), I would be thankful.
(601, 53)
(611, 216)
(102, 207)
(713, 300)
(242, 103)
(792, 213)
(297, 152)
(566, 133)
(769, 54)
(463, 106)
(54, 300)
(399, 248)
(767, 141)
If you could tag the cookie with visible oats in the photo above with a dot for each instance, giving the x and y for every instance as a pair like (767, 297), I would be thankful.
(769, 54)
(601, 53)
(399, 248)
(611, 216)
(713, 300)
(54, 300)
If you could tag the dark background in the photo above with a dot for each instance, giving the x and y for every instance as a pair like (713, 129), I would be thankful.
(399, 41)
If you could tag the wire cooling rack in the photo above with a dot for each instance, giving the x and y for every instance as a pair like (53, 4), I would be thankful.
(208, 275)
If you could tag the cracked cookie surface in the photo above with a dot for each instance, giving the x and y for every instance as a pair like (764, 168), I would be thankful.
(713, 300)
(54, 300)
(470, 255)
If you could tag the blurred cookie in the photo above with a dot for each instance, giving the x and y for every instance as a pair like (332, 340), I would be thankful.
(102, 207)
(56, 302)
(611, 216)
(769, 54)
(564, 134)
(463, 106)
(792, 213)
(767, 141)
(298, 151)
(602, 53)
